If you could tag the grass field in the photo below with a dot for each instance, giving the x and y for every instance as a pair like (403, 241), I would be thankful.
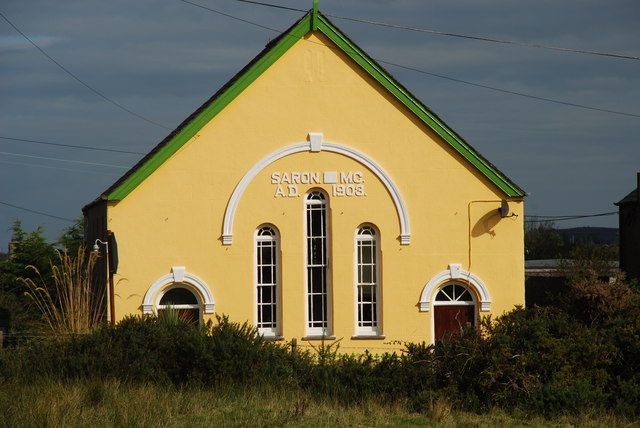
(112, 403)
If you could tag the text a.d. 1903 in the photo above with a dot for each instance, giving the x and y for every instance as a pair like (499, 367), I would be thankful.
(343, 183)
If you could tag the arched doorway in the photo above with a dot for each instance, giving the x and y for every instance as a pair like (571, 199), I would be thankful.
(182, 302)
(454, 308)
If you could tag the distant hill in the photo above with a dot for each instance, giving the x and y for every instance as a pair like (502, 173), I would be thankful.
(590, 235)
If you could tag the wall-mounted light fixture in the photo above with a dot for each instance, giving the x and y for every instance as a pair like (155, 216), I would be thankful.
(96, 249)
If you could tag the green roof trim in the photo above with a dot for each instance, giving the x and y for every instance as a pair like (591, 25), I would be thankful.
(405, 97)
(219, 103)
(306, 24)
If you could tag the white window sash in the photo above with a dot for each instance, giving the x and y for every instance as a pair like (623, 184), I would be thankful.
(369, 243)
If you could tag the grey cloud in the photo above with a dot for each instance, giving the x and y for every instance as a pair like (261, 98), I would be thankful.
(163, 58)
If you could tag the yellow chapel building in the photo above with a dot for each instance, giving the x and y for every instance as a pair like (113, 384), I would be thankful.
(314, 196)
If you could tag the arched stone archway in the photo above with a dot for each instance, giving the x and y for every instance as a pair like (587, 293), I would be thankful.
(178, 275)
(455, 272)
(316, 144)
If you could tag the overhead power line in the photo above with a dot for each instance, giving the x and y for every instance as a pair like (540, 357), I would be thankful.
(457, 35)
(544, 219)
(64, 160)
(82, 82)
(487, 39)
(37, 212)
(508, 91)
(275, 6)
(441, 76)
(48, 143)
(573, 215)
(246, 21)
(61, 168)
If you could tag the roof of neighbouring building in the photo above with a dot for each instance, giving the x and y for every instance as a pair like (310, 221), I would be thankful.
(632, 197)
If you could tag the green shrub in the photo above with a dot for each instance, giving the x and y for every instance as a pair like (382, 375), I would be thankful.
(544, 361)
(150, 350)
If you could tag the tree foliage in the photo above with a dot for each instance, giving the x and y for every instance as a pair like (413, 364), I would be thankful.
(32, 258)
(25, 249)
(542, 241)
(72, 239)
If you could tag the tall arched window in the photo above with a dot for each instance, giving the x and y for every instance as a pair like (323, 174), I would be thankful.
(318, 297)
(367, 281)
(267, 290)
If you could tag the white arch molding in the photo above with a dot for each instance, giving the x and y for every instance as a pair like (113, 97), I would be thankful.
(455, 272)
(178, 275)
(316, 144)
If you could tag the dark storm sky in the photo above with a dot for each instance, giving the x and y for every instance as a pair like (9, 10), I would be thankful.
(162, 59)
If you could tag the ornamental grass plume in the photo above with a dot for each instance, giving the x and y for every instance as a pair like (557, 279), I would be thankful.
(69, 303)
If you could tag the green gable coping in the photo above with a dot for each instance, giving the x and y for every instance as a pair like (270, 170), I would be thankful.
(405, 97)
(308, 23)
(184, 135)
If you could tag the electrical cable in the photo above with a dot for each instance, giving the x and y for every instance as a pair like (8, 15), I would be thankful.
(572, 216)
(36, 212)
(82, 82)
(457, 35)
(543, 219)
(64, 160)
(508, 91)
(71, 146)
(441, 76)
(276, 6)
(487, 39)
(246, 21)
(60, 168)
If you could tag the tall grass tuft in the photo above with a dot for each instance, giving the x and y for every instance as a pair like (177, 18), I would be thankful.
(171, 315)
(69, 304)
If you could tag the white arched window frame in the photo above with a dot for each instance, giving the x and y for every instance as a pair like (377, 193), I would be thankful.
(367, 281)
(267, 280)
(171, 298)
(455, 273)
(188, 280)
(454, 293)
(165, 301)
(318, 289)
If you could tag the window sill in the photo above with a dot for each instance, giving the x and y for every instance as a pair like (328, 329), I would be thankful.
(318, 338)
(273, 338)
(368, 337)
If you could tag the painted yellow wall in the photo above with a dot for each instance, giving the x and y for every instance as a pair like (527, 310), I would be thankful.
(175, 217)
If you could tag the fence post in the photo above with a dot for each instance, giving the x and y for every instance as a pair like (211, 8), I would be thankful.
(294, 344)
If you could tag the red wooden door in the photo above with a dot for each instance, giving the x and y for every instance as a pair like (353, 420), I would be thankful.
(452, 319)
